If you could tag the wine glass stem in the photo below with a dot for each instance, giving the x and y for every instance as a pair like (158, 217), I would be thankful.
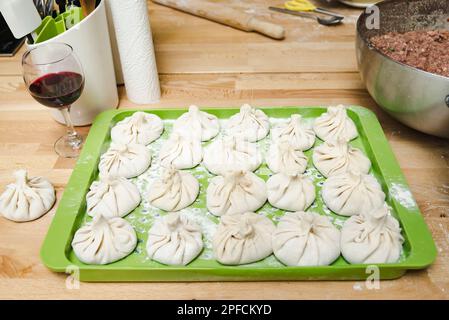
(73, 139)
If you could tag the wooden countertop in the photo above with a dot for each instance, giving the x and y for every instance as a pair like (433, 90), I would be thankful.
(209, 64)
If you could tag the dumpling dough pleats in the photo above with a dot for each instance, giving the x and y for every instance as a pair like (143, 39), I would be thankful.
(250, 124)
(306, 239)
(103, 241)
(200, 124)
(126, 161)
(27, 199)
(374, 237)
(295, 132)
(335, 157)
(352, 193)
(283, 157)
(290, 191)
(243, 238)
(335, 124)
(141, 127)
(112, 197)
(231, 153)
(235, 192)
(174, 240)
(181, 152)
(174, 190)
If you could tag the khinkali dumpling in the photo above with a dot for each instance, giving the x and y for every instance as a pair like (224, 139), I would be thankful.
(174, 190)
(283, 157)
(112, 197)
(295, 132)
(250, 124)
(243, 238)
(102, 241)
(306, 239)
(141, 127)
(27, 199)
(335, 124)
(231, 153)
(235, 192)
(352, 193)
(125, 160)
(181, 152)
(290, 191)
(374, 237)
(174, 240)
(335, 157)
(200, 124)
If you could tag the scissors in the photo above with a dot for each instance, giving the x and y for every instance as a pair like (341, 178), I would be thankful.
(307, 6)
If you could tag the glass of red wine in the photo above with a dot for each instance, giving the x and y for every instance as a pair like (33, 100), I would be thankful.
(54, 77)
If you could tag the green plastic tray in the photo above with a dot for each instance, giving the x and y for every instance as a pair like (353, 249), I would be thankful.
(418, 250)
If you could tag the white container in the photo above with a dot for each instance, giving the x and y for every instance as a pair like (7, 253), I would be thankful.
(90, 42)
(21, 16)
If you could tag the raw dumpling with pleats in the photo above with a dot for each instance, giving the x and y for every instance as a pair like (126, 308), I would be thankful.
(335, 157)
(141, 127)
(27, 198)
(352, 193)
(181, 152)
(235, 192)
(250, 124)
(231, 153)
(112, 197)
(243, 238)
(103, 241)
(306, 239)
(374, 237)
(174, 190)
(125, 160)
(295, 132)
(200, 124)
(283, 157)
(290, 191)
(174, 240)
(335, 124)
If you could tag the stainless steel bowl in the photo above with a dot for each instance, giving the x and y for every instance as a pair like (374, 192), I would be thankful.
(359, 3)
(416, 98)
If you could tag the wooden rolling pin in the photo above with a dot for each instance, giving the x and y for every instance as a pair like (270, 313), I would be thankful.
(223, 14)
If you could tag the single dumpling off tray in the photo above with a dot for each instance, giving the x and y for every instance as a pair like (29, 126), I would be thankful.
(315, 194)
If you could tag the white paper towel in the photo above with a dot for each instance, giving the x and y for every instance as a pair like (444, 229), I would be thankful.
(135, 49)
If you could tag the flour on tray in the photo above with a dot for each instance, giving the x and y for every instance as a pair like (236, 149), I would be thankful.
(402, 194)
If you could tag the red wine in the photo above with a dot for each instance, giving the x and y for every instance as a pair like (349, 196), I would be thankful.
(57, 90)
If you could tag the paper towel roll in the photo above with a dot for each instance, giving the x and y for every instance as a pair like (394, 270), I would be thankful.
(134, 42)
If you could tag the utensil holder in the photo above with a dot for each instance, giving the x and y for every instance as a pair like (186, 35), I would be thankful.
(90, 42)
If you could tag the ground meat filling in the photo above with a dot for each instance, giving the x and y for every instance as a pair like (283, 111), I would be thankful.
(425, 50)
